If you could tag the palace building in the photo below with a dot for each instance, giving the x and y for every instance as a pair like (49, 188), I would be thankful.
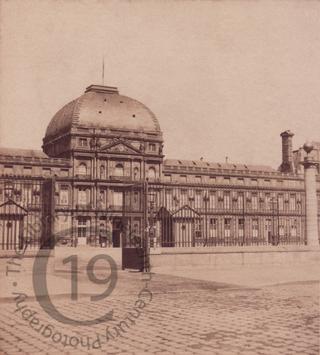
(103, 153)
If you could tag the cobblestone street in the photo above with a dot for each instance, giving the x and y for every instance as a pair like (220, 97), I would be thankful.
(179, 316)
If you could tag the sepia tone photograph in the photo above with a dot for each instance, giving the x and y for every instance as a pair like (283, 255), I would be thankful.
(159, 177)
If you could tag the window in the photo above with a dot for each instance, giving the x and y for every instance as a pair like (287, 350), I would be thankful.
(254, 182)
(167, 177)
(281, 227)
(184, 197)
(82, 196)
(212, 179)
(240, 201)
(152, 173)
(64, 196)
(82, 169)
(169, 200)
(241, 227)
(212, 200)
(26, 193)
(117, 198)
(227, 227)
(83, 142)
(226, 200)
(198, 199)
(268, 228)
(280, 202)
(268, 202)
(213, 227)
(254, 201)
(198, 179)
(119, 170)
(292, 202)
(82, 227)
(240, 181)
(152, 147)
(255, 227)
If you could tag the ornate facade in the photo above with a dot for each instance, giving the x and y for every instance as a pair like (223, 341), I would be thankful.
(105, 153)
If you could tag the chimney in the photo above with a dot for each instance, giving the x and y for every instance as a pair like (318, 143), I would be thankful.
(287, 155)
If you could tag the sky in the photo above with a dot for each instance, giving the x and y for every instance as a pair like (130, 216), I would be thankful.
(224, 78)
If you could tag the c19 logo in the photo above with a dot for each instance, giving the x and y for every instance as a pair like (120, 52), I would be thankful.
(40, 285)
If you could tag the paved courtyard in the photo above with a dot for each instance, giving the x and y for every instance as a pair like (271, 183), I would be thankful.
(168, 315)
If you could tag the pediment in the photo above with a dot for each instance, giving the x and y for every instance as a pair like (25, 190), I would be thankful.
(120, 146)
(185, 212)
(12, 208)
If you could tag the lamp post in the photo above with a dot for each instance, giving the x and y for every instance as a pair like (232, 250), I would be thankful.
(310, 169)
(146, 242)
(275, 231)
(206, 200)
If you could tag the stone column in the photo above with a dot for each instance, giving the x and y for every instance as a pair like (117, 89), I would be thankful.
(310, 169)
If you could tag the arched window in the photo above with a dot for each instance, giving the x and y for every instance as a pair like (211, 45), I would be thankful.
(119, 171)
(152, 173)
(82, 169)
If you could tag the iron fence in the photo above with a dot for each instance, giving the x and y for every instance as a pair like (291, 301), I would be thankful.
(191, 217)
(24, 220)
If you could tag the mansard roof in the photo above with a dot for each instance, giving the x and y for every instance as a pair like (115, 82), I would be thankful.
(18, 155)
(18, 152)
(176, 163)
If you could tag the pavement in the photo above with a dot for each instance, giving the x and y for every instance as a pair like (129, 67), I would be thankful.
(269, 310)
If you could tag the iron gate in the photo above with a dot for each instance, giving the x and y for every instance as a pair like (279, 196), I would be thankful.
(26, 214)
(134, 240)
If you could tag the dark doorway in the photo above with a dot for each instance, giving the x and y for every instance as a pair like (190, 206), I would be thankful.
(116, 232)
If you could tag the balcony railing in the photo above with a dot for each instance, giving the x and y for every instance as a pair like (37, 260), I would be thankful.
(83, 177)
(86, 206)
(116, 207)
(120, 178)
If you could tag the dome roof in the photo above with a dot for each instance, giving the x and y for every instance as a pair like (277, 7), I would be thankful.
(103, 107)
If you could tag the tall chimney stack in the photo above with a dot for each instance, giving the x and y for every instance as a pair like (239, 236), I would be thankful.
(287, 155)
